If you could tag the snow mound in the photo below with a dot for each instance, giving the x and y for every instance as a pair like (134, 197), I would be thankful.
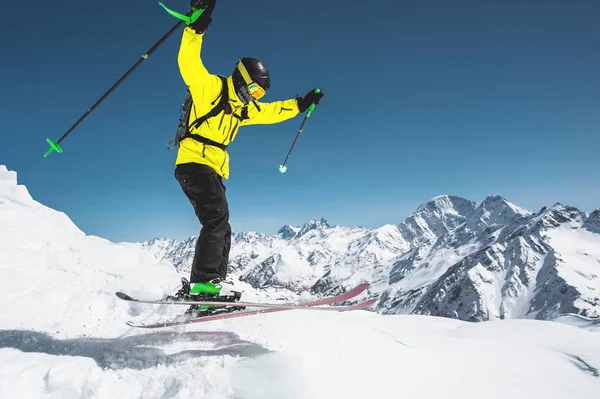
(10, 190)
(59, 280)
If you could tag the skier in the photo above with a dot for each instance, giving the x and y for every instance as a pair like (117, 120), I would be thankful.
(220, 107)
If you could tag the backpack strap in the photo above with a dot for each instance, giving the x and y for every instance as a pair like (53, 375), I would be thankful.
(204, 140)
(244, 115)
(223, 105)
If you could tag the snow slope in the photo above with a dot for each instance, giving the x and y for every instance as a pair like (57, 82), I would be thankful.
(310, 355)
(63, 335)
(48, 265)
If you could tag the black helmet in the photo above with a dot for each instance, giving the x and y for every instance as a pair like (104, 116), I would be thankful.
(257, 73)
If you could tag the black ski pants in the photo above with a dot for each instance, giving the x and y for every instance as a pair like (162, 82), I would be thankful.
(206, 191)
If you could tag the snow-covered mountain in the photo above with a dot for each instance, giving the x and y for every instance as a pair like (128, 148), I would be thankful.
(63, 333)
(453, 257)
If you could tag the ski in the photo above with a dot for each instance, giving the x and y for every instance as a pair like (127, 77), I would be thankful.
(353, 292)
(277, 308)
(231, 315)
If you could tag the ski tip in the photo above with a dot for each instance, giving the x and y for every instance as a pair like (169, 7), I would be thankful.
(360, 306)
(359, 288)
(370, 302)
(124, 296)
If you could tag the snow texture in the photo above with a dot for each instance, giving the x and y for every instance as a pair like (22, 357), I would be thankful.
(63, 332)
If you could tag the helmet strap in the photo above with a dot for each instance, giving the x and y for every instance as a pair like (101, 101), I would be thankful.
(244, 73)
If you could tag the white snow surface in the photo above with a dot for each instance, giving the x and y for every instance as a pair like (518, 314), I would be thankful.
(63, 335)
(579, 255)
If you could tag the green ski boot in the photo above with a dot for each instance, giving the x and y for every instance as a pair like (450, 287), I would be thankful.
(208, 288)
(206, 291)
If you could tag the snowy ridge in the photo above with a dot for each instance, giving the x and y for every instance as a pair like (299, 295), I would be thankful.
(63, 333)
(43, 255)
(453, 257)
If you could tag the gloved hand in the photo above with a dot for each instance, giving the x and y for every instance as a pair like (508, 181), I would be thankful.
(312, 97)
(201, 24)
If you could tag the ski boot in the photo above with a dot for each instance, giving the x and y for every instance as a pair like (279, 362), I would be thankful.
(213, 291)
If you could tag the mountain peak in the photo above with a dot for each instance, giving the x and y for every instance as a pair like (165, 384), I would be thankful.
(593, 222)
(495, 210)
(435, 218)
(314, 224)
(447, 204)
(288, 232)
(559, 214)
(498, 200)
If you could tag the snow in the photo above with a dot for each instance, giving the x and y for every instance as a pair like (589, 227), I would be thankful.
(45, 257)
(63, 335)
(579, 253)
(10, 191)
(588, 323)
(291, 269)
(312, 355)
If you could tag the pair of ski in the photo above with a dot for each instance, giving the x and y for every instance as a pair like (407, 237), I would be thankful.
(319, 304)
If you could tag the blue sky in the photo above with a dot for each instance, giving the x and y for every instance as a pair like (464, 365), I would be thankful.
(422, 98)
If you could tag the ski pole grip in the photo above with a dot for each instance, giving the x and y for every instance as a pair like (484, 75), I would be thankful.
(312, 107)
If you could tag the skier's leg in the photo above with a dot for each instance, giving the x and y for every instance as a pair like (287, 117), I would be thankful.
(226, 242)
(226, 248)
(205, 190)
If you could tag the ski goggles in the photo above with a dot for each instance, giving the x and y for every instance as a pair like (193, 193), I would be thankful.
(254, 89)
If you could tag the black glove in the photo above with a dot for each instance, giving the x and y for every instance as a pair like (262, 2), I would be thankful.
(312, 97)
(201, 24)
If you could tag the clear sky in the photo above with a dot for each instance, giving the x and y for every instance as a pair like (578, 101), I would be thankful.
(422, 98)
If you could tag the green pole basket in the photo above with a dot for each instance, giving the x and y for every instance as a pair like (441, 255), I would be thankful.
(53, 147)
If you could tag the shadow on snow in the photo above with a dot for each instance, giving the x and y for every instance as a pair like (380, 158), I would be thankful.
(134, 352)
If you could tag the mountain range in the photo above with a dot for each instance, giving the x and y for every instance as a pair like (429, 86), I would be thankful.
(452, 257)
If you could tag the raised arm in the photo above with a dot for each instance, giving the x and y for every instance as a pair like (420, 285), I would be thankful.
(192, 69)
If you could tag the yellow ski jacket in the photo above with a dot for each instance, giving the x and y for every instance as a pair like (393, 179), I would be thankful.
(205, 89)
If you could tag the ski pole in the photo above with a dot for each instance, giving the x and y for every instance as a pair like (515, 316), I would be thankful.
(283, 167)
(193, 16)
